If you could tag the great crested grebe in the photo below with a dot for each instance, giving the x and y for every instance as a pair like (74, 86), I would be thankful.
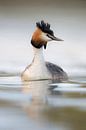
(39, 69)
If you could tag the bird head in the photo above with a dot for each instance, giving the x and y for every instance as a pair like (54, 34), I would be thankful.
(42, 35)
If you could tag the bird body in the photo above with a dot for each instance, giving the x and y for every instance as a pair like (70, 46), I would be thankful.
(39, 69)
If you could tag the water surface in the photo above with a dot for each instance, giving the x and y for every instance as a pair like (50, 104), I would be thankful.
(42, 105)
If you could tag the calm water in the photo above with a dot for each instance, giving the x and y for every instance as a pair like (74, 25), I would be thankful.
(42, 105)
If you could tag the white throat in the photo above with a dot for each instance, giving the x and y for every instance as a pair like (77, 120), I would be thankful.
(38, 56)
(37, 70)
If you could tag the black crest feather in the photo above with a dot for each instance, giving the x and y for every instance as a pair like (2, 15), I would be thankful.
(45, 27)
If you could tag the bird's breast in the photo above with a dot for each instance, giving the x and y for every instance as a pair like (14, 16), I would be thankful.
(36, 71)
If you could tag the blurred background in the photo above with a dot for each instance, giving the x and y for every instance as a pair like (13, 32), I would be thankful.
(17, 23)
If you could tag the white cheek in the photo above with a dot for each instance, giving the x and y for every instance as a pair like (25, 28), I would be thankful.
(45, 38)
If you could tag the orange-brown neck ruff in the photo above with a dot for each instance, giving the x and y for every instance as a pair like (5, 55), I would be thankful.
(37, 41)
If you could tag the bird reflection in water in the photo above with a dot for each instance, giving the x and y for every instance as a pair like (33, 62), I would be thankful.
(37, 92)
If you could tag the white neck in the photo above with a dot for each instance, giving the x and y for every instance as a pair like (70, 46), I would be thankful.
(38, 55)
